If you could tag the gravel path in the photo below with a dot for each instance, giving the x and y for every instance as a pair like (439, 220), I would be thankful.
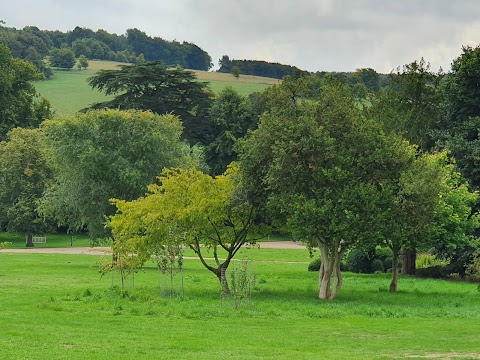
(107, 250)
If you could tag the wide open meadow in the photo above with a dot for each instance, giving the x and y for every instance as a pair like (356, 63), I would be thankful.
(57, 306)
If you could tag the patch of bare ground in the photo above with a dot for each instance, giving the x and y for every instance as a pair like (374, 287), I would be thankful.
(448, 356)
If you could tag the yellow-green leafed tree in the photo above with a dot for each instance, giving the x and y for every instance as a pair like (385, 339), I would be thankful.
(188, 207)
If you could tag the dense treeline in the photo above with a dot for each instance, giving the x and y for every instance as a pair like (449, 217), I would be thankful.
(258, 68)
(34, 45)
(345, 165)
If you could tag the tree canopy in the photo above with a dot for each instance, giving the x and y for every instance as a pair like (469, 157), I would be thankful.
(19, 105)
(24, 176)
(320, 167)
(154, 87)
(101, 155)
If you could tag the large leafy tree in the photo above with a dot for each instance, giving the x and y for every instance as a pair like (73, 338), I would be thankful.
(104, 154)
(19, 105)
(24, 175)
(152, 86)
(210, 215)
(321, 168)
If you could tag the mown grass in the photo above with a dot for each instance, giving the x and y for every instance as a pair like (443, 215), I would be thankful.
(59, 307)
(69, 92)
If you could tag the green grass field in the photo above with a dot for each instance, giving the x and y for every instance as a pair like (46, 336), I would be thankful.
(69, 92)
(59, 307)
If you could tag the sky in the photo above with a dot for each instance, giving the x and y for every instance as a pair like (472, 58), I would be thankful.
(314, 35)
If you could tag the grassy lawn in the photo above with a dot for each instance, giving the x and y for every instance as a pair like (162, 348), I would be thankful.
(59, 307)
(69, 92)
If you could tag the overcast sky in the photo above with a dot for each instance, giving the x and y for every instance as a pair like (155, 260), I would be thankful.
(314, 35)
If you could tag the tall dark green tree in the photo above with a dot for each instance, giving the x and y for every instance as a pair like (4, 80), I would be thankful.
(19, 104)
(231, 116)
(410, 105)
(152, 86)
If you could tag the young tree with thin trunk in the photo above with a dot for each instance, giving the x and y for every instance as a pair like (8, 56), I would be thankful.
(209, 215)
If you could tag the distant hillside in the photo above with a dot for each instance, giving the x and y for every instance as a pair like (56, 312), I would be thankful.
(69, 92)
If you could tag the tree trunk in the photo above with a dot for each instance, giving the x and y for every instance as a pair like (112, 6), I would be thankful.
(409, 261)
(29, 242)
(337, 275)
(325, 274)
(222, 278)
(394, 283)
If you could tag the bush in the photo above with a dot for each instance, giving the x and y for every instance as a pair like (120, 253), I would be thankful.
(360, 260)
(435, 272)
(314, 265)
(377, 266)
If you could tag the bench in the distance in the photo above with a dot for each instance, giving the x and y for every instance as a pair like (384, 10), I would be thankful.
(39, 240)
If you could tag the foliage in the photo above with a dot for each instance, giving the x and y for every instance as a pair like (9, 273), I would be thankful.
(258, 68)
(103, 154)
(19, 106)
(4, 245)
(24, 175)
(431, 206)
(360, 260)
(63, 58)
(187, 207)
(459, 131)
(434, 272)
(461, 88)
(82, 62)
(410, 105)
(29, 44)
(315, 265)
(241, 284)
(187, 55)
(33, 44)
(236, 72)
(231, 116)
(316, 164)
(474, 267)
(154, 87)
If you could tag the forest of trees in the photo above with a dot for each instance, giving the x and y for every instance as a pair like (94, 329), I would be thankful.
(346, 164)
(34, 45)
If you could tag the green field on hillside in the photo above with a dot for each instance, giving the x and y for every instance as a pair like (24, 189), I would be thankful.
(60, 307)
(69, 92)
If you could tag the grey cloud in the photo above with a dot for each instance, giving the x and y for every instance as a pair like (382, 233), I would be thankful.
(311, 34)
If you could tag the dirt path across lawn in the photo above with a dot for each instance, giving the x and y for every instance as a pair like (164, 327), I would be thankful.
(107, 250)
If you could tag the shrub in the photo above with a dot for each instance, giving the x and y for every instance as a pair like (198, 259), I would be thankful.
(360, 260)
(435, 272)
(314, 265)
(377, 266)
(474, 268)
